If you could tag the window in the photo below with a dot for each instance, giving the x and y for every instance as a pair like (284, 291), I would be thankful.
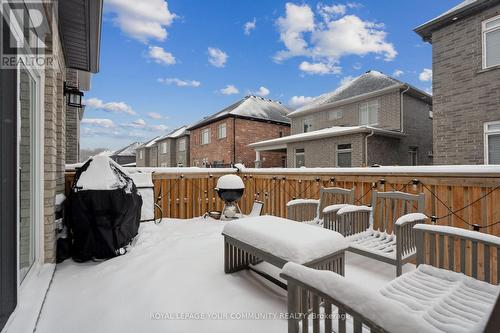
(492, 143)
(491, 42)
(182, 144)
(205, 136)
(300, 158)
(344, 155)
(335, 114)
(221, 131)
(308, 125)
(413, 155)
(368, 113)
(281, 134)
(163, 147)
(140, 155)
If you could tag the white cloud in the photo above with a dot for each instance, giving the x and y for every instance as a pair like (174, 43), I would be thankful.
(217, 57)
(141, 124)
(160, 56)
(425, 75)
(263, 92)
(298, 101)
(319, 68)
(249, 26)
(229, 90)
(98, 122)
(346, 80)
(354, 5)
(326, 42)
(155, 115)
(142, 20)
(180, 83)
(397, 73)
(116, 107)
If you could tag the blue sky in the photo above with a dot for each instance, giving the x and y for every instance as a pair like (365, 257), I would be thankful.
(169, 63)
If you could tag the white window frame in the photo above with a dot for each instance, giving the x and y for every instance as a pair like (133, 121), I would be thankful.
(342, 151)
(367, 105)
(164, 147)
(487, 133)
(484, 32)
(141, 155)
(221, 128)
(203, 131)
(182, 144)
(303, 153)
(412, 153)
(309, 121)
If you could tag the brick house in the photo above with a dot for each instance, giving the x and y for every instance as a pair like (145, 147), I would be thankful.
(35, 102)
(375, 119)
(223, 138)
(173, 148)
(147, 154)
(466, 82)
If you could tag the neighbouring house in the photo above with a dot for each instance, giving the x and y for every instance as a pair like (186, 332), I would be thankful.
(81, 81)
(35, 99)
(173, 148)
(374, 119)
(125, 155)
(146, 155)
(466, 82)
(222, 139)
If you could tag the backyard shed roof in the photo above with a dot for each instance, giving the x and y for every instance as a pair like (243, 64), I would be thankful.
(370, 82)
(127, 151)
(463, 9)
(252, 107)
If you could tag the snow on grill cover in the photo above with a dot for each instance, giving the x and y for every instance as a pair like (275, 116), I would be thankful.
(104, 210)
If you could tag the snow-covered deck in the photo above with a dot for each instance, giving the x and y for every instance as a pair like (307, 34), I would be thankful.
(171, 276)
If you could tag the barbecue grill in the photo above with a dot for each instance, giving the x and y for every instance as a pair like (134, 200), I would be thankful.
(230, 188)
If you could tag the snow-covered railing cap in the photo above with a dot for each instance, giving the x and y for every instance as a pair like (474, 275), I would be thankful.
(413, 217)
(301, 201)
(333, 208)
(353, 209)
(459, 232)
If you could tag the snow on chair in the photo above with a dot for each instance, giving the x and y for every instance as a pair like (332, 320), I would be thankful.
(455, 288)
(305, 210)
(394, 240)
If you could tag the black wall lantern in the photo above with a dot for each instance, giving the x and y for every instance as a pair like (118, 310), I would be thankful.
(74, 96)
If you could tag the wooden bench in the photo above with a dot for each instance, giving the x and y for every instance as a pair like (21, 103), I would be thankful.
(432, 298)
(393, 241)
(302, 210)
(276, 240)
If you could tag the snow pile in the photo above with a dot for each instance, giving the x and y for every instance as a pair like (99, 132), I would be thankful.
(367, 301)
(449, 301)
(333, 208)
(354, 209)
(103, 174)
(240, 167)
(460, 232)
(301, 201)
(230, 182)
(286, 239)
(145, 187)
(411, 218)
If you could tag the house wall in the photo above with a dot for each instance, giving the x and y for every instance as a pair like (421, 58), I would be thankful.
(384, 150)
(166, 159)
(388, 115)
(465, 96)
(141, 162)
(182, 157)
(247, 132)
(152, 156)
(122, 160)
(323, 152)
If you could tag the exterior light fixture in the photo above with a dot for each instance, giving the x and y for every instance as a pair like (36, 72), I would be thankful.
(74, 96)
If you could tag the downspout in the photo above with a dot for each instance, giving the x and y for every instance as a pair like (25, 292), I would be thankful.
(366, 147)
(401, 114)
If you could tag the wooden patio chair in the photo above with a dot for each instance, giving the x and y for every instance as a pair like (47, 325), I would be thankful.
(392, 239)
(305, 210)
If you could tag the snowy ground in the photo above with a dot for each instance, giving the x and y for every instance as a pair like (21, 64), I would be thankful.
(174, 270)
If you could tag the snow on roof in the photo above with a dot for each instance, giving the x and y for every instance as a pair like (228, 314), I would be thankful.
(370, 81)
(176, 133)
(251, 107)
(127, 151)
(325, 133)
(149, 143)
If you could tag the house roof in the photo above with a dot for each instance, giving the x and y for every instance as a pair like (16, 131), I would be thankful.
(127, 151)
(463, 9)
(367, 83)
(253, 107)
(149, 143)
(325, 133)
(176, 133)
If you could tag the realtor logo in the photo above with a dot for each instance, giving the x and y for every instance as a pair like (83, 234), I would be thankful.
(24, 27)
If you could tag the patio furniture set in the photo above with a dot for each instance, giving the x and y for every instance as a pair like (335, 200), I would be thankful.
(445, 293)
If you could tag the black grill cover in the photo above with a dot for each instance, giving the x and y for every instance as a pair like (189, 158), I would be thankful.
(103, 221)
